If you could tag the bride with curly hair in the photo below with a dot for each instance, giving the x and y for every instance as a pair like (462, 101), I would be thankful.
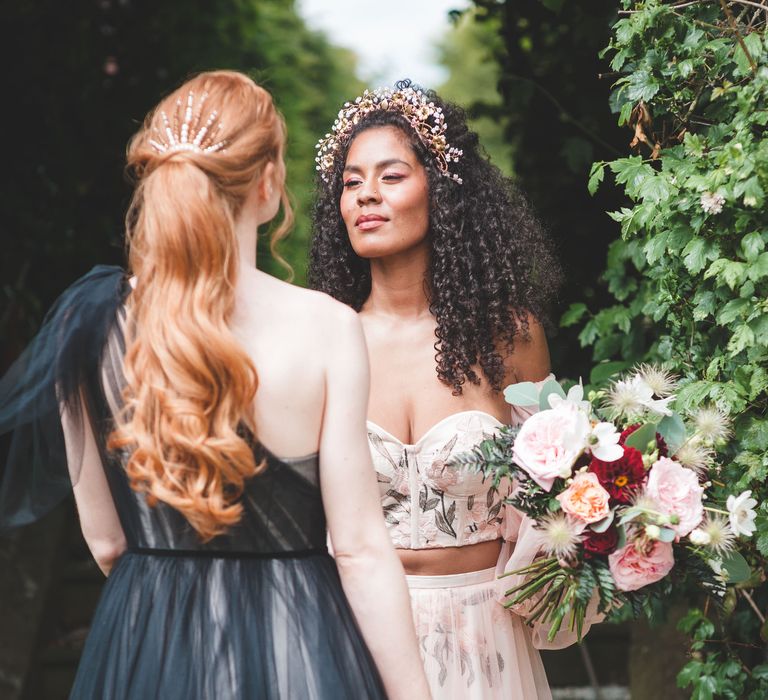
(452, 276)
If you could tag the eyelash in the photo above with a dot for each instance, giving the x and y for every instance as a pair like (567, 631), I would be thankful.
(393, 176)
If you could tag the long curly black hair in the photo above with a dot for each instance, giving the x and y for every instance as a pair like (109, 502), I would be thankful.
(491, 264)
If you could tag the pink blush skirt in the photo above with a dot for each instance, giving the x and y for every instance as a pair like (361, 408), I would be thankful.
(472, 647)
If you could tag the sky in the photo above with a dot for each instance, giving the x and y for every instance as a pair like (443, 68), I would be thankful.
(393, 39)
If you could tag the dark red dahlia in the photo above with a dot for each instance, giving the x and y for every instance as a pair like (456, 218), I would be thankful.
(660, 442)
(622, 477)
(600, 542)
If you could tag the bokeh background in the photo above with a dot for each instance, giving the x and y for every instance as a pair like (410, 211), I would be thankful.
(79, 77)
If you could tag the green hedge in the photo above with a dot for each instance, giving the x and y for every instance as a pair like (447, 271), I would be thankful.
(689, 273)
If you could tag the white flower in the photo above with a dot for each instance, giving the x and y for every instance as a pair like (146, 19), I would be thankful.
(719, 535)
(694, 455)
(603, 442)
(712, 203)
(699, 537)
(660, 406)
(627, 397)
(575, 397)
(631, 397)
(660, 380)
(559, 535)
(741, 513)
(712, 425)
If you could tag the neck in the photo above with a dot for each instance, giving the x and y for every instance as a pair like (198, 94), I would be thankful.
(246, 230)
(398, 285)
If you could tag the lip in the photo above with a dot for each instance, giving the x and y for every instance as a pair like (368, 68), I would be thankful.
(368, 222)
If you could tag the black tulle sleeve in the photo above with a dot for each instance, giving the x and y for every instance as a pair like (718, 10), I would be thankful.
(37, 469)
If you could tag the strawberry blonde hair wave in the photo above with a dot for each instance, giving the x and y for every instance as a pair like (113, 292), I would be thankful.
(189, 384)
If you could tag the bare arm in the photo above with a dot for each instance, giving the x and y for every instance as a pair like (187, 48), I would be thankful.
(370, 571)
(529, 362)
(98, 518)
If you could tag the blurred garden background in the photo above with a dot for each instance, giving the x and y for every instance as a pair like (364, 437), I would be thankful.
(638, 130)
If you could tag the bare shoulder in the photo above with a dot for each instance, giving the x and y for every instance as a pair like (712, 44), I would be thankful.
(529, 360)
(314, 313)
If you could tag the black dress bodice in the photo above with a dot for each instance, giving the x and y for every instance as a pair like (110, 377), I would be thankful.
(258, 612)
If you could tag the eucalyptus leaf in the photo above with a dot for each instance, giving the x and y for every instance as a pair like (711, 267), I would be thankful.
(629, 514)
(737, 567)
(551, 386)
(667, 534)
(621, 542)
(522, 394)
(672, 429)
(604, 524)
(644, 436)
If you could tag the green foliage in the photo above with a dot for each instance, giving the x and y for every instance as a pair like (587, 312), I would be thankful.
(690, 270)
(97, 69)
(465, 51)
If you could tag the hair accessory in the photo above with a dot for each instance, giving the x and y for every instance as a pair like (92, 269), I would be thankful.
(424, 116)
(189, 138)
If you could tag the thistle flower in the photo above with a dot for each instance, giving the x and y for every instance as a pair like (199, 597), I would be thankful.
(644, 502)
(628, 397)
(715, 534)
(559, 536)
(661, 381)
(695, 455)
(741, 513)
(712, 203)
(712, 424)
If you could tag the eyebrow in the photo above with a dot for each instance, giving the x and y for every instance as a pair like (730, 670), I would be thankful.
(379, 166)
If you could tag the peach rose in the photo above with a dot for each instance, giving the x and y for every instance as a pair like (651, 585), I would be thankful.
(677, 491)
(632, 569)
(585, 498)
(549, 443)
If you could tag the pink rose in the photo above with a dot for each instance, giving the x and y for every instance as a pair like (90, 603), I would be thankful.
(585, 498)
(677, 491)
(632, 569)
(549, 443)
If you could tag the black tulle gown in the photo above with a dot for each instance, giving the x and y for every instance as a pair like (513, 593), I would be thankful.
(256, 613)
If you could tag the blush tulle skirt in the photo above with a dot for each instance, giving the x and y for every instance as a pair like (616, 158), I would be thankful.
(472, 647)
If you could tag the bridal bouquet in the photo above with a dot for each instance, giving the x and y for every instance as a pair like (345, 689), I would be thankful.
(621, 489)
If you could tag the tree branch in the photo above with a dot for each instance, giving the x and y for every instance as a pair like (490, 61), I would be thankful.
(736, 31)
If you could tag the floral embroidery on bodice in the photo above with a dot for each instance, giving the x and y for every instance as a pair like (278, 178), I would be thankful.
(428, 504)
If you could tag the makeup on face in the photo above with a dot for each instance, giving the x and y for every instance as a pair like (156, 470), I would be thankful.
(385, 199)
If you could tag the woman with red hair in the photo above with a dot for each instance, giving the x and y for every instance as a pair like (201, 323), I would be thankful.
(206, 445)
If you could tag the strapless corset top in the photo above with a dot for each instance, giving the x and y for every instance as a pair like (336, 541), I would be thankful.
(426, 502)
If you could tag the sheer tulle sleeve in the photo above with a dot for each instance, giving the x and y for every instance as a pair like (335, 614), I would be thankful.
(58, 369)
(521, 546)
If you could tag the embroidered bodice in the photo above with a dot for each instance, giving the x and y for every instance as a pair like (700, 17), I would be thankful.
(428, 504)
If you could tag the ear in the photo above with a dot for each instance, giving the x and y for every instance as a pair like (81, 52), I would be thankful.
(267, 182)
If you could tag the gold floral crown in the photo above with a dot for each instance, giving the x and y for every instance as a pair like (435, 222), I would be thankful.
(426, 119)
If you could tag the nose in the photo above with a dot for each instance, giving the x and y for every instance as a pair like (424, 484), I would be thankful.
(368, 192)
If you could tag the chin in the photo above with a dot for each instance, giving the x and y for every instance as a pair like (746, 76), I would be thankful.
(369, 247)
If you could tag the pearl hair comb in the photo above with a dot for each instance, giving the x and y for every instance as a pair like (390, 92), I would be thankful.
(189, 137)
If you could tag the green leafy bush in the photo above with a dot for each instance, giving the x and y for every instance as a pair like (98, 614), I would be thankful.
(689, 273)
